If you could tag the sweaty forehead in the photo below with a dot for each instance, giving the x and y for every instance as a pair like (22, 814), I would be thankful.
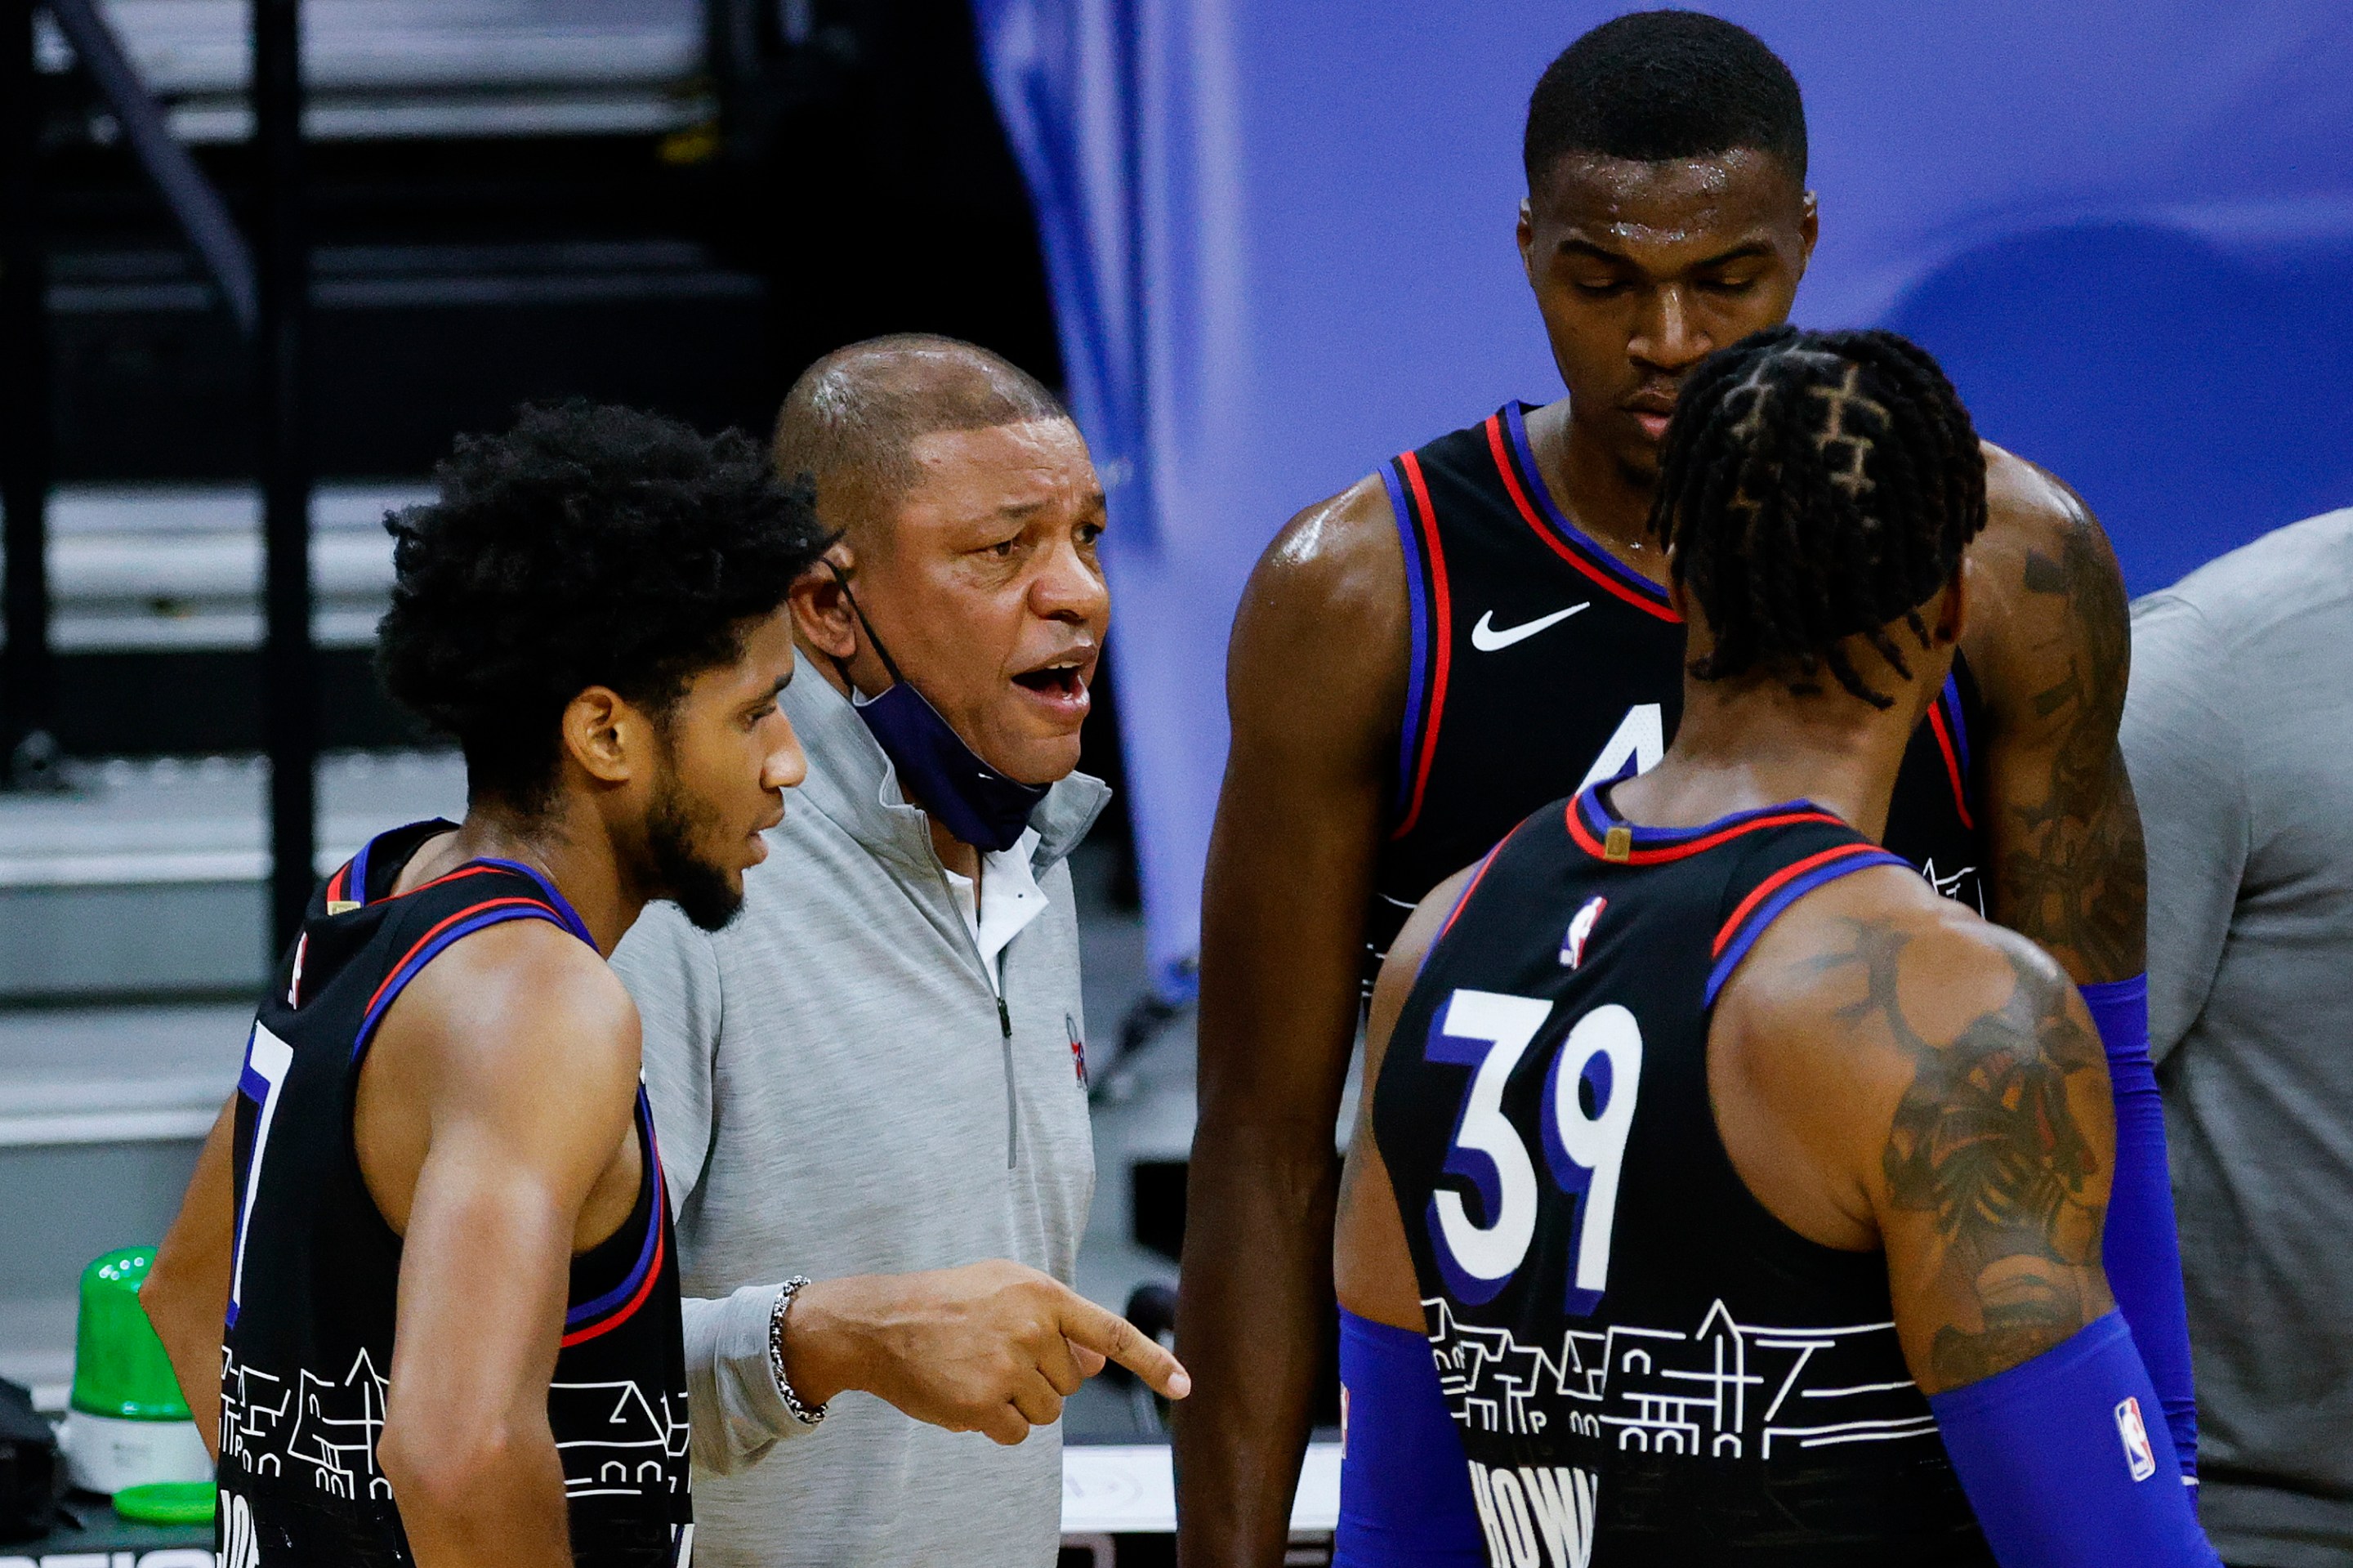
(1027, 447)
(1635, 206)
(998, 468)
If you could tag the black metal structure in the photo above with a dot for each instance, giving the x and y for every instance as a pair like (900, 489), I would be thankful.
(451, 278)
(196, 206)
(289, 675)
(26, 669)
(29, 753)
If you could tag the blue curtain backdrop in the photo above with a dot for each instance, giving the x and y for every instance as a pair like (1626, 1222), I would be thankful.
(1279, 238)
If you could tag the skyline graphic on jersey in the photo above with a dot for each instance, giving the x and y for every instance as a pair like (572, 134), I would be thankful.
(1723, 1390)
(330, 1425)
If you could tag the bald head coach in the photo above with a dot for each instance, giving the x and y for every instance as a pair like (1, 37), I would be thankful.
(870, 1088)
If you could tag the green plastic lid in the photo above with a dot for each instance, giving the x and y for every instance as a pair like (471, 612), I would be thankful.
(167, 1502)
(119, 1368)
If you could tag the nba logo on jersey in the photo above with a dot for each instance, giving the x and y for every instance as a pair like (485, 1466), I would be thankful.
(2135, 1433)
(1580, 930)
(1078, 1048)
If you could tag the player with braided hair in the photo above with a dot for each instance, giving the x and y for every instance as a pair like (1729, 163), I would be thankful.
(1720, 1193)
(1485, 624)
(1772, 401)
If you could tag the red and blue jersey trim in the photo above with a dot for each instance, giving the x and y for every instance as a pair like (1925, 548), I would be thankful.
(1951, 729)
(351, 882)
(1589, 823)
(619, 1305)
(1430, 611)
(464, 923)
(1507, 442)
(569, 917)
(1771, 897)
(551, 907)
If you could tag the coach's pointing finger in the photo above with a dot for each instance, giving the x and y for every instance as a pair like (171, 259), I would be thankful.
(1090, 1327)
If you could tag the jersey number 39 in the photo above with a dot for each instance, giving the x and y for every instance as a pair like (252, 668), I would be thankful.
(1587, 1110)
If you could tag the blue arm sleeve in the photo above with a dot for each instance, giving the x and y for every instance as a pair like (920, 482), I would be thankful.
(2143, 1250)
(1405, 1485)
(2063, 1465)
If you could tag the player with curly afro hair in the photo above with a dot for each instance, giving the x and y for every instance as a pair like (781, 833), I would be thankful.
(590, 549)
(587, 546)
(439, 1157)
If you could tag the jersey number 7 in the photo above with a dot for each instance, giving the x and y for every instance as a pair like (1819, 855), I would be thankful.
(267, 1060)
(1587, 1113)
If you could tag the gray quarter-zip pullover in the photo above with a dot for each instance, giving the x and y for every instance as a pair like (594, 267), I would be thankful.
(2237, 729)
(837, 1090)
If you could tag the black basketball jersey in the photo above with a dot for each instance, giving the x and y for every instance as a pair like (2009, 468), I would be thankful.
(316, 1269)
(1541, 663)
(1646, 1367)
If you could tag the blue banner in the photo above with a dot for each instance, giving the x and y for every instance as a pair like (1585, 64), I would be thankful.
(1280, 235)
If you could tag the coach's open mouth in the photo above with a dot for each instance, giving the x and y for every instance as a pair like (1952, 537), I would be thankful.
(1060, 686)
(1065, 678)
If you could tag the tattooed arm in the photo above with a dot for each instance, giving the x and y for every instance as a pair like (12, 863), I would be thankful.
(2051, 645)
(1891, 1073)
(2052, 651)
(1992, 1183)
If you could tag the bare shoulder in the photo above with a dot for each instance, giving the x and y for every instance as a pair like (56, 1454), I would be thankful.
(2028, 507)
(1344, 549)
(1975, 1122)
(1947, 1086)
(2048, 603)
(1879, 996)
(1327, 603)
(515, 1049)
(523, 1002)
(1316, 672)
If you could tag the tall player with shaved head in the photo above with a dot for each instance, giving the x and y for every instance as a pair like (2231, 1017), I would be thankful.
(1483, 625)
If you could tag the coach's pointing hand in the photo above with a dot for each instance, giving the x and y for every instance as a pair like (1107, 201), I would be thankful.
(991, 1347)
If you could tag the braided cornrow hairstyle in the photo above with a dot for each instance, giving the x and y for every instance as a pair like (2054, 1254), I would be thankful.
(1817, 486)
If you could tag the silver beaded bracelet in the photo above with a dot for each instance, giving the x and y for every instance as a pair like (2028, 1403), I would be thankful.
(785, 1294)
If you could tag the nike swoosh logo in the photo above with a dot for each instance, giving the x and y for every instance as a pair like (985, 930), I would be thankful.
(1485, 638)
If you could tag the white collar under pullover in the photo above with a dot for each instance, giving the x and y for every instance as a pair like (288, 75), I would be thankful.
(1005, 899)
(843, 1083)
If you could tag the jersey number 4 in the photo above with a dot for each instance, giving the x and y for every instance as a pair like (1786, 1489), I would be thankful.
(1587, 1110)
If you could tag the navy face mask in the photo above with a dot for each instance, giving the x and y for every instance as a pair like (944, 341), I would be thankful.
(973, 800)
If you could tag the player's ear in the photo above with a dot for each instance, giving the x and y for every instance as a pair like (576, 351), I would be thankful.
(1810, 228)
(821, 612)
(601, 733)
(1527, 236)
